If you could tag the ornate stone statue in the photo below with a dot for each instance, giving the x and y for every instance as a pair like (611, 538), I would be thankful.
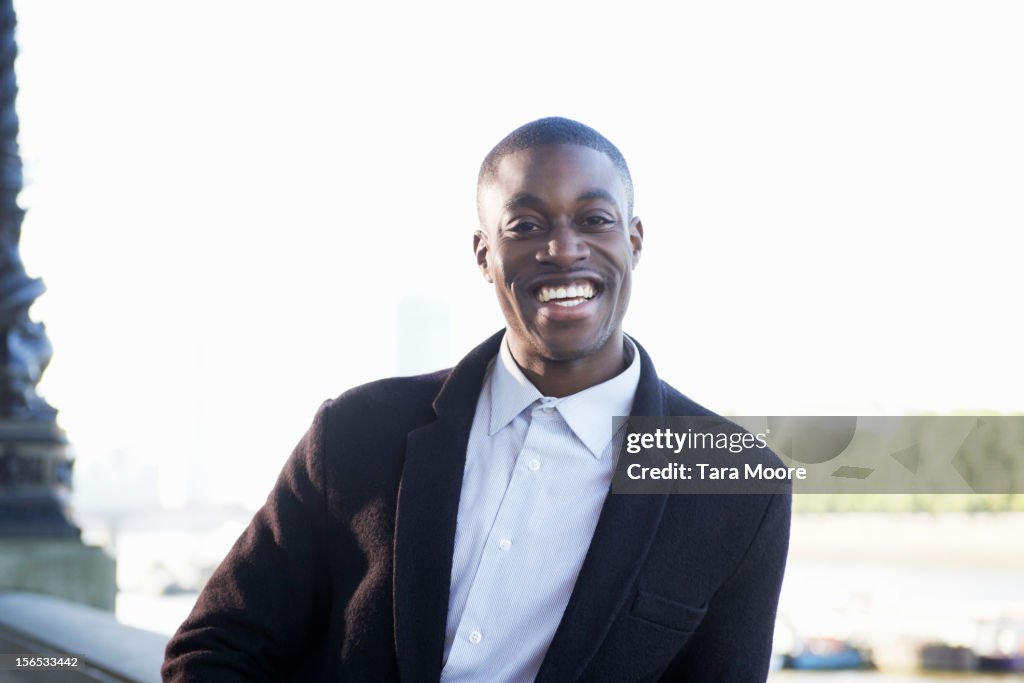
(35, 472)
(40, 548)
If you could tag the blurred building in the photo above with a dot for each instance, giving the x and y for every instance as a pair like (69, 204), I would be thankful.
(423, 335)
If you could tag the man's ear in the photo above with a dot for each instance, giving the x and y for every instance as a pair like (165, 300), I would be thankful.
(483, 254)
(636, 238)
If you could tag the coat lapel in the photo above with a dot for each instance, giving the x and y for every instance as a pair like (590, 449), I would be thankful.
(428, 506)
(625, 529)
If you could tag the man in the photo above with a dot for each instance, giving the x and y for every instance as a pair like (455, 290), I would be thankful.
(458, 526)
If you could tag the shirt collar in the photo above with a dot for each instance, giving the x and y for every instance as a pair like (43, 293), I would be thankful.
(588, 413)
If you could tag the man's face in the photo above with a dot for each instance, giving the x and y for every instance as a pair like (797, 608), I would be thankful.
(558, 243)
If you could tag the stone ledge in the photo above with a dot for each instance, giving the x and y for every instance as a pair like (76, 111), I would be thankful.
(128, 653)
(62, 567)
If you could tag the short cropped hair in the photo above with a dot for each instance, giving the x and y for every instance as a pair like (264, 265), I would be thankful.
(555, 130)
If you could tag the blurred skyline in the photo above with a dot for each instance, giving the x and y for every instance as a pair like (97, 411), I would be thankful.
(230, 201)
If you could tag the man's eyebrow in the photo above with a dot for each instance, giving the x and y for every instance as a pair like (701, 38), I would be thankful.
(596, 193)
(523, 199)
(527, 199)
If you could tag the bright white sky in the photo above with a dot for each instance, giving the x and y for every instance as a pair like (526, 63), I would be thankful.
(228, 201)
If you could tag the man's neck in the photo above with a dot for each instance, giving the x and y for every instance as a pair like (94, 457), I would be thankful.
(564, 378)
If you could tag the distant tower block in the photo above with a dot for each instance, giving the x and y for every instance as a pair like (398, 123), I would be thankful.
(424, 335)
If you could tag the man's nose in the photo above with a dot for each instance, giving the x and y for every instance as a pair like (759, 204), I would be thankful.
(564, 247)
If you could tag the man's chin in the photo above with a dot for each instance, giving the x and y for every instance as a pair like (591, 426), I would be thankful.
(567, 348)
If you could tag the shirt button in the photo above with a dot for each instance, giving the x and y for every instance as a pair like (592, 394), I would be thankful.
(475, 637)
(534, 465)
(505, 544)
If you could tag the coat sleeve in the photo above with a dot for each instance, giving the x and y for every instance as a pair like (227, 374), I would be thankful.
(259, 610)
(734, 641)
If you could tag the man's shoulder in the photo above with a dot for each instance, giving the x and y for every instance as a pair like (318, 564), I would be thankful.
(678, 404)
(390, 398)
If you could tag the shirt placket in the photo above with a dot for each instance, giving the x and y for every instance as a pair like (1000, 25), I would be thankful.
(503, 561)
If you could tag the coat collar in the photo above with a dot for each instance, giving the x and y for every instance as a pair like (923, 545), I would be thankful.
(428, 504)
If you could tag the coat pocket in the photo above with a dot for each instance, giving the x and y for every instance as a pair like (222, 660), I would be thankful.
(665, 612)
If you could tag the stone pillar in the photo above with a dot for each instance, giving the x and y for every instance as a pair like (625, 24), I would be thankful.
(40, 547)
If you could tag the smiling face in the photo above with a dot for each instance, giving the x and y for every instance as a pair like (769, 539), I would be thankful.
(558, 243)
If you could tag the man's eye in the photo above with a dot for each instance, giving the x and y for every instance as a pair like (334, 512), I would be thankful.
(524, 227)
(597, 221)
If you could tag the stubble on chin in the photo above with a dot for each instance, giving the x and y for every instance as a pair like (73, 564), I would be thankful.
(553, 352)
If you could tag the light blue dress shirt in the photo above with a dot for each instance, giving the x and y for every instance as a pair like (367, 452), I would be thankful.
(538, 470)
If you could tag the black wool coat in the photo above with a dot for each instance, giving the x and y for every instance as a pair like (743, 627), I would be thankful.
(343, 575)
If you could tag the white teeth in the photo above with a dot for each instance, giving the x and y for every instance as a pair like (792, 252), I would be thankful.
(570, 303)
(576, 290)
